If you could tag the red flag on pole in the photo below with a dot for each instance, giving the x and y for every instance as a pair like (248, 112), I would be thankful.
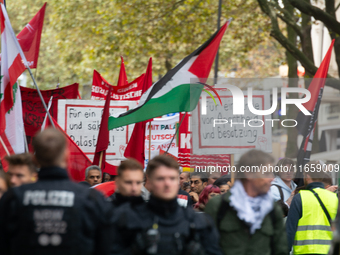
(103, 135)
(307, 123)
(122, 80)
(136, 146)
(29, 38)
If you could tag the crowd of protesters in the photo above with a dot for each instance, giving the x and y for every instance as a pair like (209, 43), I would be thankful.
(163, 209)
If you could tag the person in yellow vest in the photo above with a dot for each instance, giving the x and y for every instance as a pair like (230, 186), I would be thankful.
(310, 215)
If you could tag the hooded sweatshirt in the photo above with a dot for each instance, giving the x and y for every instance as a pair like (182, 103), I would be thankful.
(285, 189)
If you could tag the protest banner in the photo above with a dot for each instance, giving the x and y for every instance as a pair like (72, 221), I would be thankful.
(189, 160)
(131, 91)
(33, 111)
(81, 121)
(162, 131)
(222, 132)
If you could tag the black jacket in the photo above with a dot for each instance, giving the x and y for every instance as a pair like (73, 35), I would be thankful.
(132, 222)
(54, 216)
(118, 199)
(184, 198)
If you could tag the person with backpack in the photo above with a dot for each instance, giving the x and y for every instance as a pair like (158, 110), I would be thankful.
(248, 219)
(283, 186)
(309, 221)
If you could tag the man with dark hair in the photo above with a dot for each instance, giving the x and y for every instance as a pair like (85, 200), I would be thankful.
(21, 169)
(161, 226)
(129, 183)
(198, 182)
(54, 215)
(213, 177)
(224, 183)
(93, 175)
(249, 220)
(312, 209)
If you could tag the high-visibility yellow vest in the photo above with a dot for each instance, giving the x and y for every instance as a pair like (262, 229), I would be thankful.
(314, 234)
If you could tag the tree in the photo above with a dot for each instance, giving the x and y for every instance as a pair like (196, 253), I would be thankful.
(304, 10)
(80, 36)
(297, 16)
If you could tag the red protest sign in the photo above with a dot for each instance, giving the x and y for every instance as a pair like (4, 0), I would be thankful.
(131, 91)
(32, 109)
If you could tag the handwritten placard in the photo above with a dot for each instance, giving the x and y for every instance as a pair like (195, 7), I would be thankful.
(81, 121)
(219, 131)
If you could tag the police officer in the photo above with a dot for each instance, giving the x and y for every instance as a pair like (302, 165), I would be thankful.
(54, 215)
(129, 183)
(161, 226)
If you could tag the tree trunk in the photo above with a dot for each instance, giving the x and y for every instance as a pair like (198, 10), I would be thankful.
(292, 149)
(306, 45)
(306, 41)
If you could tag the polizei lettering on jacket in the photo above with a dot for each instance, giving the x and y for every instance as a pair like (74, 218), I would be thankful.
(49, 198)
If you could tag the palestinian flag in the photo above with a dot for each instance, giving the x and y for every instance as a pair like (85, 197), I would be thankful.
(175, 92)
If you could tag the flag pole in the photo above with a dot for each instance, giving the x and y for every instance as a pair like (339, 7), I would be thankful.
(101, 159)
(149, 140)
(4, 145)
(218, 27)
(41, 97)
(29, 70)
(180, 123)
(232, 174)
(25, 139)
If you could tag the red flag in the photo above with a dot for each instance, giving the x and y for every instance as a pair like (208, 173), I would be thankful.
(110, 169)
(122, 80)
(106, 188)
(78, 161)
(136, 146)
(103, 135)
(307, 123)
(29, 38)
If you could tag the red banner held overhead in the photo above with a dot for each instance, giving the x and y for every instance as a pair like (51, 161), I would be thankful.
(131, 91)
(33, 111)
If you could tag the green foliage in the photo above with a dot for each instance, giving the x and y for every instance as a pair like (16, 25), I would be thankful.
(80, 36)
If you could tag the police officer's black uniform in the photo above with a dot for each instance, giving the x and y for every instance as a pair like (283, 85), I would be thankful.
(54, 216)
(118, 199)
(163, 227)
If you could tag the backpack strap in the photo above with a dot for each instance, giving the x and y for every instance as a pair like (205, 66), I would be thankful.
(222, 210)
(323, 207)
(280, 190)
